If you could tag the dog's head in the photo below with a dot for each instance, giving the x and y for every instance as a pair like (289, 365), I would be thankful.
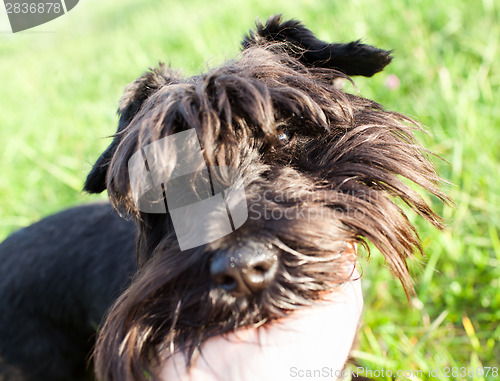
(319, 168)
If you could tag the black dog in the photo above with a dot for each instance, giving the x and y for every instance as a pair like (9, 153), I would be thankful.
(319, 168)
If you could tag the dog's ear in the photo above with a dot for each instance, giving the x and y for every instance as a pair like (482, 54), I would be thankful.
(136, 93)
(353, 58)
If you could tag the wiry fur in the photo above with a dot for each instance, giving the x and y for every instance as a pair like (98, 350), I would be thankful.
(343, 162)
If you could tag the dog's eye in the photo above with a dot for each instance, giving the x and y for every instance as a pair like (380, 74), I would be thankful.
(283, 136)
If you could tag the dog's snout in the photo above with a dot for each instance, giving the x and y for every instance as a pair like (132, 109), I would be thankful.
(244, 271)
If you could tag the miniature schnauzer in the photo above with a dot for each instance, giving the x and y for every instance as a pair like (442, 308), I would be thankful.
(242, 185)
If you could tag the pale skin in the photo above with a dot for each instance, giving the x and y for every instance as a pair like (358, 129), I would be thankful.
(316, 338)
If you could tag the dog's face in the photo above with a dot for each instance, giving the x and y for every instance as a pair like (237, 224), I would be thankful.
(320, 170)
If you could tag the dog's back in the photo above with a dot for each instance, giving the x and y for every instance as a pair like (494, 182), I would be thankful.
(55, 290)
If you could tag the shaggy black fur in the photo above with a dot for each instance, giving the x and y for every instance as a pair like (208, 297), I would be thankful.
(332, 160)
(57, 279)
(320, 167)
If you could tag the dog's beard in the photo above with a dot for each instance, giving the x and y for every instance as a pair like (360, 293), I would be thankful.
(316, 338)
(174, 306)
(174, 303)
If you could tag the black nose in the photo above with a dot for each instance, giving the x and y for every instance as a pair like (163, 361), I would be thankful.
(245, 270)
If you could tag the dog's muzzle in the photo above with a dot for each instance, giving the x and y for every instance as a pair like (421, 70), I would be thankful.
(245, 270)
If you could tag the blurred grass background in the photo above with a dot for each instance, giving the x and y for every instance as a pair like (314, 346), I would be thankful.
(60, 84)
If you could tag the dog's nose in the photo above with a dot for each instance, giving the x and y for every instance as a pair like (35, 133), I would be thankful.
(246, 270)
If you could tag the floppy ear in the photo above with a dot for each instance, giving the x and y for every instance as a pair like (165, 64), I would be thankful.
(136, 93)
(353, 58)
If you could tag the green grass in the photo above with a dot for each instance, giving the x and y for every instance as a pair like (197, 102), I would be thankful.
(59, 92)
